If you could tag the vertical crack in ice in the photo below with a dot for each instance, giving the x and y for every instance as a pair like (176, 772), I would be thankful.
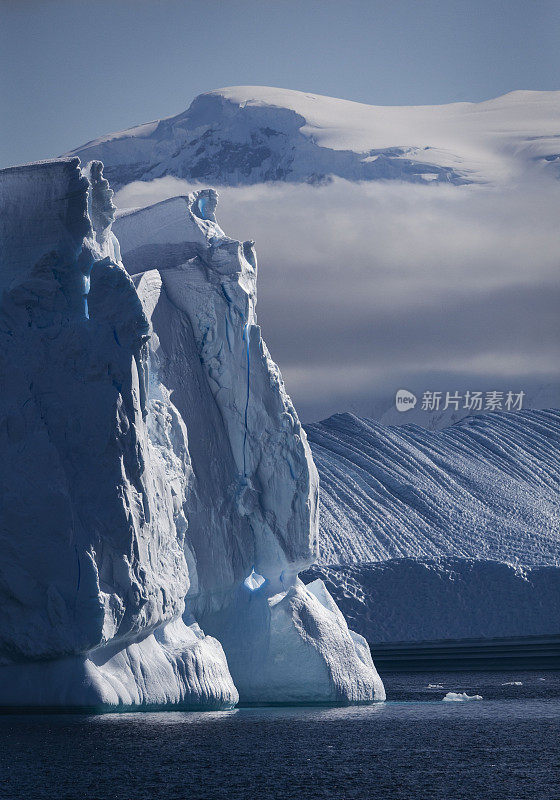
(79, 569)
(246, 338)
(87, 285)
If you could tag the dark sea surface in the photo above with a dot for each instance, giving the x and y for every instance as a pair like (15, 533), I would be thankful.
(413, 747)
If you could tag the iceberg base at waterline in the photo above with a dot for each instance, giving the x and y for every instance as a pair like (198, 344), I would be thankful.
(177, 667)
(294, 647)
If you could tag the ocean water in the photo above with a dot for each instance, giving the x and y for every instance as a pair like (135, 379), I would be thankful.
(413, 747)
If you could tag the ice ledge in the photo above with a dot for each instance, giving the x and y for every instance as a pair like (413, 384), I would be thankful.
(43, 208)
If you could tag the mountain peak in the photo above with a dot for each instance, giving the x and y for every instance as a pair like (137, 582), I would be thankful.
(241, 135)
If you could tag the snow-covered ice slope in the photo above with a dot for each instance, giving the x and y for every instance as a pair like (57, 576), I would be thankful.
(450, 534)
(154, 473)
(249, 134)
(484, 488)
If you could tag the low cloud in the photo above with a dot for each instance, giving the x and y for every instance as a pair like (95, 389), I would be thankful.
(367, 288)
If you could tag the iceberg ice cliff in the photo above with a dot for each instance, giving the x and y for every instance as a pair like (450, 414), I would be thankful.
(158, 496)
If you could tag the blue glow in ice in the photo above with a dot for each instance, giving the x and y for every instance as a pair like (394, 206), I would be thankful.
(202, 201)
(79, 569)
(254, 581)
(246, 338)
(87, 284)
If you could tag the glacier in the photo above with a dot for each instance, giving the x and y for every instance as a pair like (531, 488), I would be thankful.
(159, 497)
(484, 487)
(448, 534)
(244, 135)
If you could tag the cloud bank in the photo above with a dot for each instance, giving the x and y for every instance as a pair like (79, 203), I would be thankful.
(368, 288)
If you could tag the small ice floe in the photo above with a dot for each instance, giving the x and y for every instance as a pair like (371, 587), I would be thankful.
(460, 697)
(434, 686)
(512, 683)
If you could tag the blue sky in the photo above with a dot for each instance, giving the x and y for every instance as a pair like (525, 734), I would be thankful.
(71, 70)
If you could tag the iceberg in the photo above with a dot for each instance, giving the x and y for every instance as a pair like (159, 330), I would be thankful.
(270, 625)
(158, 495)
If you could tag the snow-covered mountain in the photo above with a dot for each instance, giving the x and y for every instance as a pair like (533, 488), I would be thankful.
(157, 492)
(442, 534)
(250, 134)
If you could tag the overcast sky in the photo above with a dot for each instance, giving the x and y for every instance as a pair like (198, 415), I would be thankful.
(370, 288)
(363, 289)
